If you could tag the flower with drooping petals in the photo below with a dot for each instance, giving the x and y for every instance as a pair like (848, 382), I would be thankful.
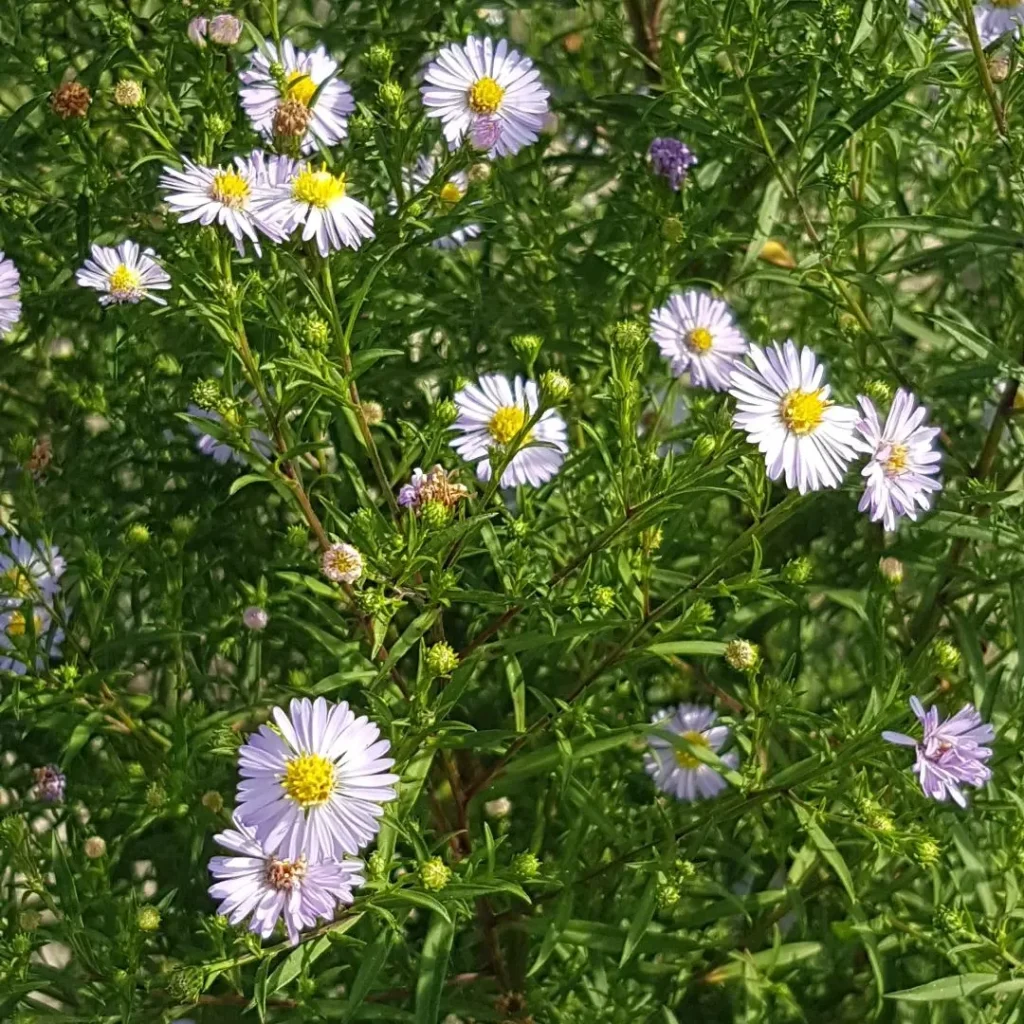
(295, 76)
(671, 160)
(695, 332)
(317, 199)
(196, 31)
(486, 92)
(451, 194)
(28, 572)
(124, 273)
(220, 194)
(677, 772)
(492, 413)
(435, 485)
(902, 473)
(224, 30)
(296, 889)
(10, 301)
(218, 449)
(783, 406)
(317, 785)
(951, 753)
(342, 563)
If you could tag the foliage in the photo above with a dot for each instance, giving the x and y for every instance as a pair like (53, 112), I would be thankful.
(882, 168)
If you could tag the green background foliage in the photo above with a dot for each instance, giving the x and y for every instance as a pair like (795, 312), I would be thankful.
(822, 886)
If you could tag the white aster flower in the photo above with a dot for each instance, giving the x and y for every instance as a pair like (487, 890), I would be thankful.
(901, 474)
(316, 785)
(221, 194)
(783, 406)
(257, 882)
(695, 332)
(28, 572)
(317, 199)
(124, 273)
(492, 413)
(10, 302)
(486, 92)
(677, 772)
(295, 76)
(451, 194)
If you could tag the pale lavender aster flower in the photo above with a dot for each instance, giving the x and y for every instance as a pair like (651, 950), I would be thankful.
(783, 406)
(309, 79)
(316, 785)
(255, 618)
(49, 784)
(224, 30)
(28, 572)
(124, 273)
(342, 563)
(696, 333)
(14, 626)
(901, 474)
(488, 92)
(951, 753)
(492, 413)
(992, 18)
(10, 301)
(671, 160)
(298, 890)
(219, 450)
(677, 772)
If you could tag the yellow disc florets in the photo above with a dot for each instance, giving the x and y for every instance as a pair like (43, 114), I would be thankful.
(283, 874)
(309, 780)
(301, 87)
(485, 96)
(318, 188)
(896, 463)
(506, 423)
(686, 759)
(125, 282)
(802, 411)
(230, 189)
(699, 339)
(450, 193)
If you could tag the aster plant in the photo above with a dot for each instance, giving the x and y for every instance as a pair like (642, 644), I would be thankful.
(479, 489)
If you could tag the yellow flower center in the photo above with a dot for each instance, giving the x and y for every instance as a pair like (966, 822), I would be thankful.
(301, 87)
(699, 339)
(897, 461)
(506, 423)
(686, 759)
(309, 780)
(230, 188)
(16, 624)
(318, 188)
(124, 282)
(485, 96)
(283, 874)
(802, 411)
(18, 582)
(450, 193)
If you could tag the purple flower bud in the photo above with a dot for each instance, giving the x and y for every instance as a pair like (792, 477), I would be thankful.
(672, 160)
(50, 782)
(255, 618)
(225, 30)
(197, 31)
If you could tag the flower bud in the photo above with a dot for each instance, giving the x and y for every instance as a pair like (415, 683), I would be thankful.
(30, 920)
(629, 336)
(667, 896)
(500, 808)
(673, 230)
(296, 536)
(555, 386)
(186, 984)
(148, 919)
(878, 391)
(926, 851)
(526, 347)
(314, 331)
(391, 95)
(137, 535)
(526, 865)
(947, 654)
(206, 394)
(70, 100)
(797, 570)
(742, 655)
(479, 173)
(255, 618)
(373, 413)
(94, 847)
(128, 93)
(217, 125)
(999, 68)
(182, 527)
(442, 659)
(213, 801)
(602, 598)
(196, 31)
(379, 59)
(435, 874)
(891, 570)
(444, 412)
(704, 446)
(224, 30)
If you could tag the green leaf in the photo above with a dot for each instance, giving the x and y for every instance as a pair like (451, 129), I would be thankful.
(766, 960)
(827, 849)
(955, 986)
(292, 966)
(864, 26)
(437, 948)
(767, 213)
(641, 919)
(410, 636)
(244, 481)
(17, 119)
(373, 959)
(517, 687)
(714, 648)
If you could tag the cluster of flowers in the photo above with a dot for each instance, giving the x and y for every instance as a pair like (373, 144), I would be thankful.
(784, 407)
(951, 753)
(310, 798)
(29, 583)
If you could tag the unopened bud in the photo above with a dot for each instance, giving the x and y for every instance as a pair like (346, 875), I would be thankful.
(629, 336)
(526, 347)
(891, 570)
(442, 659)
(379, 59)
(555, 386)
(526, 865)
(94, 847)
(797, 570)
(148, 919)
(947, 654)
(435, 874)
(742, 655)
